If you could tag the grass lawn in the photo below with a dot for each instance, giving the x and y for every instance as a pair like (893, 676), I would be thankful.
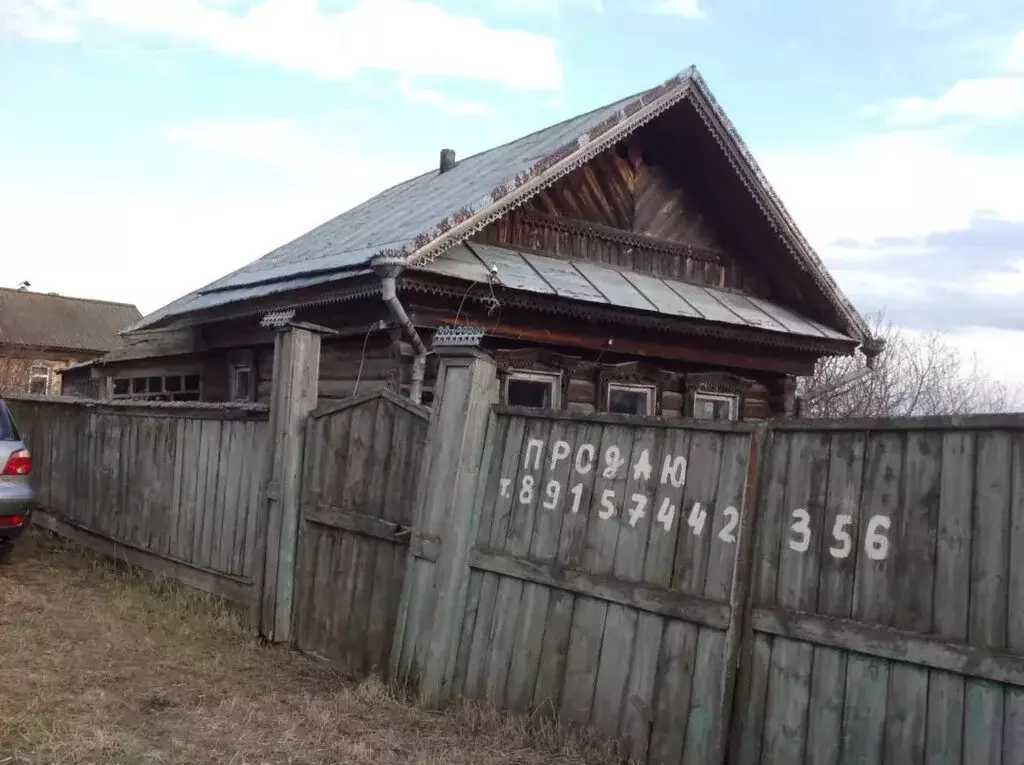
(100, 663)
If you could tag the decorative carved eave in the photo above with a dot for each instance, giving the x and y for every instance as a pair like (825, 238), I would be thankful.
(619, 236)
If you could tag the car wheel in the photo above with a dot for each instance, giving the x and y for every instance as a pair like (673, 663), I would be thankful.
(6, 548)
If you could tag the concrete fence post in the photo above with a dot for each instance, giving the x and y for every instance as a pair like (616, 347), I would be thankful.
(437, 574)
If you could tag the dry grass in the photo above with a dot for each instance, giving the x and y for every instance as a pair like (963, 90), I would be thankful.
(104, 664)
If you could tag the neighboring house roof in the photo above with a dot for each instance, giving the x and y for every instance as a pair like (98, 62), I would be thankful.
(41, 320)
(419, 219)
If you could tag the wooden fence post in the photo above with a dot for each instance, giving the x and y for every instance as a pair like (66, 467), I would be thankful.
(437, 576)
(296, 374)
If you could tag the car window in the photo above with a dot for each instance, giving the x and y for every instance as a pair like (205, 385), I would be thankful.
(8, 432)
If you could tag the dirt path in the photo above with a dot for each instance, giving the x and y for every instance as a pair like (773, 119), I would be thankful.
(101, 664)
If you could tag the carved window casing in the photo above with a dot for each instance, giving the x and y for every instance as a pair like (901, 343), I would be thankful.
(534, 377)
(715, 395)
(623, 388)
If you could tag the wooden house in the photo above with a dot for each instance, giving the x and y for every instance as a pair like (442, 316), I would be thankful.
(42, 334)
(632, 259)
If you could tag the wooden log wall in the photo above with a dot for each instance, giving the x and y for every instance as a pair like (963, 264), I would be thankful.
(602, 576)
(178, 484)
(384, 366)
(362, 460)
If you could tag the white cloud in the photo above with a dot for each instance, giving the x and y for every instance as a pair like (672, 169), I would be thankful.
(549, 7)
(1015, 56)
(287, 145)
(389, 35)
(430, 97)
(688, 9)
(981, 97)
(903, 183)
(149, 249)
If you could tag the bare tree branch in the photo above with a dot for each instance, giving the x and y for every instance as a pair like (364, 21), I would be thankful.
(913, 376)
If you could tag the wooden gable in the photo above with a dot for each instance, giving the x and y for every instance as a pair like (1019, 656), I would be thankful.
(624, 208)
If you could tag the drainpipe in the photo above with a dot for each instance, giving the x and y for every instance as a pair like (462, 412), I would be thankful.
(388, 270)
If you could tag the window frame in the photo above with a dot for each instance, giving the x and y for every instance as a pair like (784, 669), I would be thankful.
(233, 371)
(648, 389)
(39, 371)
(528, 375)
(139, 387)
(732, 398)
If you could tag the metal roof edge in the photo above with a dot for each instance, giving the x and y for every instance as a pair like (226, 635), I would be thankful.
(757, 182)
(545, 171)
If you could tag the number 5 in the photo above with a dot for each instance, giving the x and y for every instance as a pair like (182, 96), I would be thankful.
(842, 536)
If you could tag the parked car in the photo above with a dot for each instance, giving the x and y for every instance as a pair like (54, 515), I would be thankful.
(16, 495)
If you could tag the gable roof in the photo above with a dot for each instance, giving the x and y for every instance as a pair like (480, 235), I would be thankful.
(419, 219)
(35, 319)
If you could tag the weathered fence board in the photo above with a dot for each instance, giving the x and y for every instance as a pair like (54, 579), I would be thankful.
(602, 574)
(885, 625)
(175, 483)
(358, 487)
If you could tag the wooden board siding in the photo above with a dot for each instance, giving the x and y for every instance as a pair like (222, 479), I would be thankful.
(359, 484)
(625, 209)
(584, 600)
(181, 484)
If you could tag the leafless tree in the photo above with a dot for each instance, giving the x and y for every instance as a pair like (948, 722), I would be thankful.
(915, 375)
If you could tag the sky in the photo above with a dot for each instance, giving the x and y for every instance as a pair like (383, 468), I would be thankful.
(148, 147)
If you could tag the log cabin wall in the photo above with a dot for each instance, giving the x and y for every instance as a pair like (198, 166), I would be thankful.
(386, 363)
(625, 210)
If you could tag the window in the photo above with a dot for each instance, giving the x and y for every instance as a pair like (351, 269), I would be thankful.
(631, 399)
(39, 379)
(154, 388)
(533, 389)
(709, 406)
(241, 382)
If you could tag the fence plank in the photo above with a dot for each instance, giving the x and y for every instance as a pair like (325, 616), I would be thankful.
(984, 701)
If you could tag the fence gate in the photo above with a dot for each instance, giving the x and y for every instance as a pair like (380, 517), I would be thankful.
(360, 467)
(601, 577)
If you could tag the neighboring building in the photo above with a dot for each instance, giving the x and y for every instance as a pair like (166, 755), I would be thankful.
(42, 334)
(632, 259)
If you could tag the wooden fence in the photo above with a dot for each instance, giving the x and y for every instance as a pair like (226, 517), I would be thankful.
(819, 593)
(796, 592)
(601, 579)
(888, 607)
(173, 487)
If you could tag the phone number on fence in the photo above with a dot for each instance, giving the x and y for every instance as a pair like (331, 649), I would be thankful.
(673, 473)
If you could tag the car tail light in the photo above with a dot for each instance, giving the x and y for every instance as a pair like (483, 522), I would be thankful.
(19, 463)
(11, 520)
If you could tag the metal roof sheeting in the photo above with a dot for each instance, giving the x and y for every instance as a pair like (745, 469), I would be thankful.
(593, 283)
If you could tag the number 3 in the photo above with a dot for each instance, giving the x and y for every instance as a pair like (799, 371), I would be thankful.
(802, 527)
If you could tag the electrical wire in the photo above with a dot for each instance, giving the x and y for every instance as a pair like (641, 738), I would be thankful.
(362, 358)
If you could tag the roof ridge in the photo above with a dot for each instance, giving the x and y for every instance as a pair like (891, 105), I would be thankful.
(68, 297)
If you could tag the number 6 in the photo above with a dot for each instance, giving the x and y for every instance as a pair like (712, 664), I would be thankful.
(842, 536)
(876, 545)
